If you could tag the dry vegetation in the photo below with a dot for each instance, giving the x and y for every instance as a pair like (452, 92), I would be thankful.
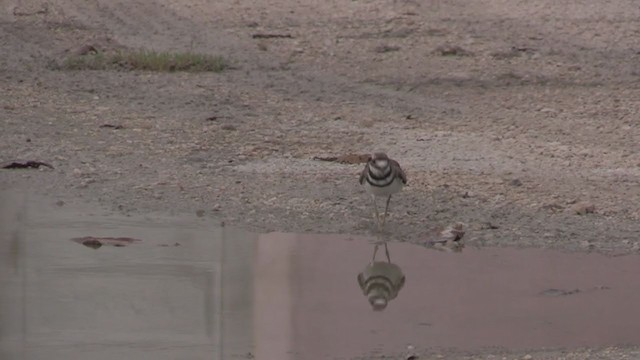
(143, 60)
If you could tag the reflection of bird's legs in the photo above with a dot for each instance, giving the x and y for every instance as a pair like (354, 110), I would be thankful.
(386, 208)
(386, 251)
(375, 209)
(375, 251)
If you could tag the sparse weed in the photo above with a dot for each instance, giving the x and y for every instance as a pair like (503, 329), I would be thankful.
(144, 60)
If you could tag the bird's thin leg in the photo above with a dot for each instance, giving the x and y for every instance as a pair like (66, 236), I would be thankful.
(376, 214)
(386, 251)
(375, 251)
(386, 208)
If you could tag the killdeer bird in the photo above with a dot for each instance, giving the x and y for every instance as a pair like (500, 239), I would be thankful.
(382, 177)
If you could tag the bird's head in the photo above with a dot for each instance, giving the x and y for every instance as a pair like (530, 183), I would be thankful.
(380, 160)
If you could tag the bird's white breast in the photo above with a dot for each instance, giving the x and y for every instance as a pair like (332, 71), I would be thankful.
(392, 188)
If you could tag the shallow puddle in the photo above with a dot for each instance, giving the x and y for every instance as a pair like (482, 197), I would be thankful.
(189, 290)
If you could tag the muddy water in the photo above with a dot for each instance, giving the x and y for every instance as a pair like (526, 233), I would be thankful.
(186, 289)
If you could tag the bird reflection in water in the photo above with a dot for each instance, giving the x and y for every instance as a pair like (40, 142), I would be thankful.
(381, 281)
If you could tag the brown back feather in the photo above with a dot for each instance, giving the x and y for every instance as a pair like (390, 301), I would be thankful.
(363, 175)
(396, 167)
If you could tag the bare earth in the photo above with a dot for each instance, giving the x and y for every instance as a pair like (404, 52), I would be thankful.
(506, 116)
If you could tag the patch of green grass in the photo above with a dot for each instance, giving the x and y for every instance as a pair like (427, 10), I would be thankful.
(144, 60)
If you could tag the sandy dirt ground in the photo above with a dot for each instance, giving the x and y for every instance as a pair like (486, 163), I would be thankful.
(509, 116)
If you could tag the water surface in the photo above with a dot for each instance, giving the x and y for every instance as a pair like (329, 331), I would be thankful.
(189, 289)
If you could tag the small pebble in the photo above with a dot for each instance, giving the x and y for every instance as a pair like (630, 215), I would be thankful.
(583, 208)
